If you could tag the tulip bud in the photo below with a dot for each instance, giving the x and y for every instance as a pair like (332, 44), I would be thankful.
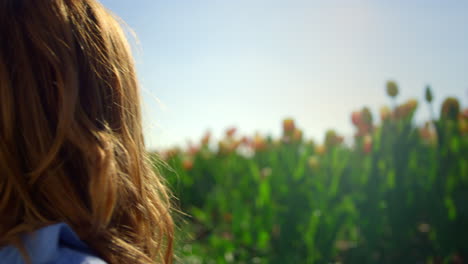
(450, 108)
(428, 94)
(392, 89)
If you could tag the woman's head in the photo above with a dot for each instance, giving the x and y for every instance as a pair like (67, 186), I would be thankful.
(71, 144)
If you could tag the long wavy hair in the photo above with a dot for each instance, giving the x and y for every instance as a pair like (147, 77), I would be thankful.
(71, 143)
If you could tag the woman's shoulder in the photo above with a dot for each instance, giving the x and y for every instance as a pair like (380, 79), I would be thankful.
(54, 244)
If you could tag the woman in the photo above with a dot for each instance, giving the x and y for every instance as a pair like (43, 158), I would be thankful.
(76, 185)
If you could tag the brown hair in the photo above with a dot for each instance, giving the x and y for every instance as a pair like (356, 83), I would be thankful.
(71, 143)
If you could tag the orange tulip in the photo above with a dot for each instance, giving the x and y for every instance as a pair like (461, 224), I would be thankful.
(288, 126)
(187, 164)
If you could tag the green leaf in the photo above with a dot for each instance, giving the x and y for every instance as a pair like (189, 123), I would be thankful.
(451, 209)
(263, 239)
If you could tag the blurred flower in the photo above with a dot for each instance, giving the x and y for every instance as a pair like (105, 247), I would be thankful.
(465, 113)
(406, 109)
(227, 235)
(320, 149)
(231, 132)
(227, 217)
(424, 228)
(457, 259)
(170, 153)
(258, 142)
(265, 173)
(366, 115)
(223, 147)
(310, 143)
(463, 125)
(450, 108)
(392, 89)
(276, 230)
(332, 139)
(297, 135)
(245, 141)
(463, 122)
(229, 257)
(192, 149)
(313, 162)
(278, 142)
(236, 143)
(428, 94)
(205, 153)
(288, 126)
(412, 104)
(317, 213)
(363, 121)
(428, 133)
(246, 151)
(367, 144)
(385, 113)
(356, 118)
(206, 138)
(187, 164)
(344, 245)
(228, 145)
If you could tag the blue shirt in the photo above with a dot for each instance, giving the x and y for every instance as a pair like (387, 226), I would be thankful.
(54, 244)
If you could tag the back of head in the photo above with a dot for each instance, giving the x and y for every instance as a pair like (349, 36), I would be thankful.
(71, 144)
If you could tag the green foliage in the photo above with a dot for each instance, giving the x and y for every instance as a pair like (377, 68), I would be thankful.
(397, 195)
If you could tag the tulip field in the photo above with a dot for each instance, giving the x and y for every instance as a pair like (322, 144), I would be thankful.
(397, 194)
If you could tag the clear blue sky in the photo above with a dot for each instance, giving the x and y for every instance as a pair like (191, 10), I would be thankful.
(250, 63)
